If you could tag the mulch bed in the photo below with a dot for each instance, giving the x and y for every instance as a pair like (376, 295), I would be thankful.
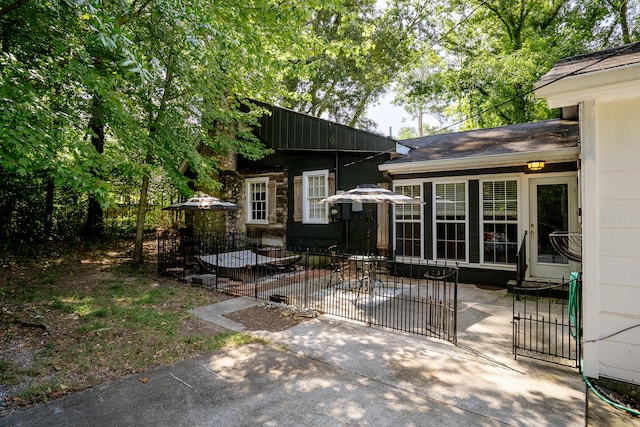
(265, 318)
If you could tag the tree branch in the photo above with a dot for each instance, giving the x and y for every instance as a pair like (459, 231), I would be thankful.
(12, 6)
(34, 325)
(135, 14)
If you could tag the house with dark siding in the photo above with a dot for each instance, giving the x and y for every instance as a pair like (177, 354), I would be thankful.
(312, 159)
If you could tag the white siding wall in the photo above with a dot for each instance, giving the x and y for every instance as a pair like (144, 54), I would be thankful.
(611, 163)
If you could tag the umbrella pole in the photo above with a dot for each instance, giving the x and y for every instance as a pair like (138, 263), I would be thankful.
(368, 231)
(346, 227)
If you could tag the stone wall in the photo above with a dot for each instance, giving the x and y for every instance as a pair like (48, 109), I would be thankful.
(275, 232)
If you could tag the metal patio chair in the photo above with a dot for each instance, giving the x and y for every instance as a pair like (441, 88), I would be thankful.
(339, 264)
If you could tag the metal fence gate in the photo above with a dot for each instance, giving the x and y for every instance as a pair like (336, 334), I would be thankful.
(547, 321)
(409, 296)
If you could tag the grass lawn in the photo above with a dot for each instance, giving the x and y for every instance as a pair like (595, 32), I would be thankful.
(76, 315)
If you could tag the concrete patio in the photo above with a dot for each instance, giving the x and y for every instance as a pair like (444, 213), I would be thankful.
(327, 371)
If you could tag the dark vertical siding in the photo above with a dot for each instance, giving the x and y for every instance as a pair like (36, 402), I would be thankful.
(279, 130)
(323, 134)
(352, 169)
(474, 221)
(428, 220)
(289, 130)
(299, 140)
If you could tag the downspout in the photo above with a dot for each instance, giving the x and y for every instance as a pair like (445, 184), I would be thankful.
(336, 170)
(346, 221)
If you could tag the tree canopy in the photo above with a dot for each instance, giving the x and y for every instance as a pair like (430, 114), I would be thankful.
(487, 54)
(359, 50)
(95, 93)
(107, 101)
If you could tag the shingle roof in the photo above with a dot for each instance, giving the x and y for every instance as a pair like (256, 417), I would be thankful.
(526, 137)
(592, 62)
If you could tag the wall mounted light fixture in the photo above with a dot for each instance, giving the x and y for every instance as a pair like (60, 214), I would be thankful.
(535, 165)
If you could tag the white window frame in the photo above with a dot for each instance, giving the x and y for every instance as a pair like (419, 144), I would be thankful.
(307, 198)
(420, 221)
(517, 221)
(250, 182)
(465, 222)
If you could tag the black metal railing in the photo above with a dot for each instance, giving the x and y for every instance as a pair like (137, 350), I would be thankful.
(543, 325)
(179, 253)
(410, 296)
(521, 265)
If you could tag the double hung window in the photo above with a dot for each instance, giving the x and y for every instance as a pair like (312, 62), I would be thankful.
(408, 220)
(451, 221)
(500, 221)
(257, 200)
(315, 188)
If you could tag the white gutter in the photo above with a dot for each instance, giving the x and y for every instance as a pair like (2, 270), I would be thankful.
(483, 162)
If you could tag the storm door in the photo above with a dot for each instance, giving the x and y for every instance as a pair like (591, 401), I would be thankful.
(553, 207)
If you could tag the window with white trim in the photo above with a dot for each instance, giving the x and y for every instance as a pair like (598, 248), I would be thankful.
(315, 188)
(257, 200)
(500, 221)
(451, 220)
(408, 222)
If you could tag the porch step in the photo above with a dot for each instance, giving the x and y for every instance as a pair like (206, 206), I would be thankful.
(556, 290)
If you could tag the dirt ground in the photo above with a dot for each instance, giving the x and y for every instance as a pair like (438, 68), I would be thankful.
(267, 318)
(33, 328)
(256, 318)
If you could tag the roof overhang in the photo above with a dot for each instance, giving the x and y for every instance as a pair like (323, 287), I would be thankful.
(482, 162)
(614, 83)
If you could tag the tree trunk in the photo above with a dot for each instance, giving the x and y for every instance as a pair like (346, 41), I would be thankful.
(138, 255)
(624, 24)
(93, 226)
(48, 209)
(361, 108)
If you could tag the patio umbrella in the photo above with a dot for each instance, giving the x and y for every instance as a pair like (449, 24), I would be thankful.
(370, 193)
(203, 202)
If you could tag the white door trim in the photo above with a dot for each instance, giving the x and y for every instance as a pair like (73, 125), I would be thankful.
(554, 272)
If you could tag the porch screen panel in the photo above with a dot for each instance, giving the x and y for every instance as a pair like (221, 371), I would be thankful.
(500, 221)
(408, 223)
(451, 221)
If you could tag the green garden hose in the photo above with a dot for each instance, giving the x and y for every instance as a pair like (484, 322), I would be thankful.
(574, 329)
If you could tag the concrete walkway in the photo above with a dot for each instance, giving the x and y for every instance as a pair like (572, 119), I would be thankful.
(330, 372)
(479, 376)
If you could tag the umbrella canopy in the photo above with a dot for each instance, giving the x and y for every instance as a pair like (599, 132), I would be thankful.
(203, 202)
(370, 193)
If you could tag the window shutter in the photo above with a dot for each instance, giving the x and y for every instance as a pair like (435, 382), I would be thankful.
(382, 224)
(332, 184)
(271, 203)
(297, 198)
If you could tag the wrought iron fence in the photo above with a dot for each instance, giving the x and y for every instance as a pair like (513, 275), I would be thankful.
(521, 266)
(546, 323)
(410, 296)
